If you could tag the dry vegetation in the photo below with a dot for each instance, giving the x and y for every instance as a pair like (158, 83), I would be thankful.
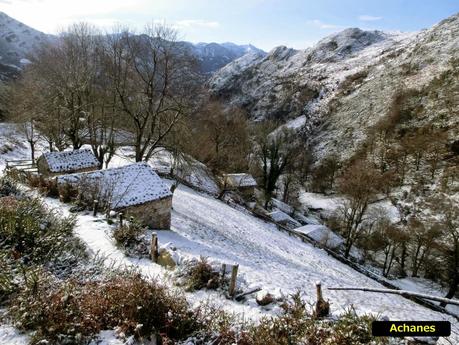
(50, 287)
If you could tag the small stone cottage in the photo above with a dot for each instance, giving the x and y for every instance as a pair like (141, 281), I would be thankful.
(66, 162)
(243, 183)
(134, 189)
(322, 235)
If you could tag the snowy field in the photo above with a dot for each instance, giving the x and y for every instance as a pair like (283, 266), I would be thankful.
(268, 258)
(202, 225)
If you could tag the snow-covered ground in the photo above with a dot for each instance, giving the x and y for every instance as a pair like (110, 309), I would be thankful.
(11, 336)
(205, 226)
(425, 286)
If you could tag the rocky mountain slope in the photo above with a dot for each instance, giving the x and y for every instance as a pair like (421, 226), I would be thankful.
(18, 40)
(213, 56)
(336, 90)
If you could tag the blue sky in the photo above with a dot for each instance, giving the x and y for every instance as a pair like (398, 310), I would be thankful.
(264, 23)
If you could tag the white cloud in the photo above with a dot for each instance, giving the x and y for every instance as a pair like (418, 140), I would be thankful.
(367, 18)
(196, 23)
(51, 15)
(321, 25)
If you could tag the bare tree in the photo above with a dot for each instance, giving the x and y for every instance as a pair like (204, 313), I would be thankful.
(448, 244)
(221, 137)
(422, 240)
(359, 184)
(276, 150)
(24, 111)
(148, 74)
(324, 175)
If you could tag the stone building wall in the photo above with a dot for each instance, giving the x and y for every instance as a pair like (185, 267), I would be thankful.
(155, 214)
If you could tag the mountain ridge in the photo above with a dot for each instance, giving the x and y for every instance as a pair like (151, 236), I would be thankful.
(17, 41)
(326, 90)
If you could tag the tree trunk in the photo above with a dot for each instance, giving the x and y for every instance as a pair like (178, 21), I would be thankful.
(415, 266)
(403, 257)
(32, 150)
(452, 288)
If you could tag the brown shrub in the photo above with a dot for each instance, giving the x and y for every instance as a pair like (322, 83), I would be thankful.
(67, 192)
(73, 312)
(201, 275)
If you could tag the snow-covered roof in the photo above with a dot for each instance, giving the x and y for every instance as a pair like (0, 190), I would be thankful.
(129, 185)
(282, 217)
(70, 160)
(321, 234)
(240, 180)
(286, 208)
(279, 216)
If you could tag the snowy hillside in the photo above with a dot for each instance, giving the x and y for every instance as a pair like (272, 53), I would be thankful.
(289, 83)
(17, 40)
(267, 258)
(213, 56)
(341, 86)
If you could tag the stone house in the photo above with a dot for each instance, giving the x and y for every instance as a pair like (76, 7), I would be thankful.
(134, 189)
(243, 183)
(322, 235)
(66, 162)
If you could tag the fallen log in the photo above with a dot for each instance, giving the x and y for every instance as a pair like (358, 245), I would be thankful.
(403, 293)
(239, 296)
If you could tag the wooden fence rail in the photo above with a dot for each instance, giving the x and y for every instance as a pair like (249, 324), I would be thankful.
(403, 293)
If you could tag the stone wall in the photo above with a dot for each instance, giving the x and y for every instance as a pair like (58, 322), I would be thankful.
(155, 214)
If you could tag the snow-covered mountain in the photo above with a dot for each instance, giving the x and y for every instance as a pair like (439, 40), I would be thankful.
(281, 83)
(213, 56)
(17, 40)
(337, 89)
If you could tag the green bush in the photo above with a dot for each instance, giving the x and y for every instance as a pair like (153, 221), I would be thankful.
(128, 234)
(8, 187)
(34, 233)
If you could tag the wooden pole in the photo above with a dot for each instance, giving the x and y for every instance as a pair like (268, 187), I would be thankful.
(403, 293)
(121, 218)
(319, 291)
(96, 203)
(154, 253)
(232, 287)
(223, 272)
(249, 292)
(322, 306)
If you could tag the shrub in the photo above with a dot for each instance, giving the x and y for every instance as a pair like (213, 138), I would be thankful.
(67, 192)
(34, 233)
(8, 187)
(127, 235)
(73, 312)
(201, 275)
(46, 185)
(7, 283)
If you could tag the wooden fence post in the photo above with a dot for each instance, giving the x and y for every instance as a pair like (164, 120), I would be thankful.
(154, 253)
(223, 271)
(121, 218)
(232, 287)
(96, 204)
(322, 306)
